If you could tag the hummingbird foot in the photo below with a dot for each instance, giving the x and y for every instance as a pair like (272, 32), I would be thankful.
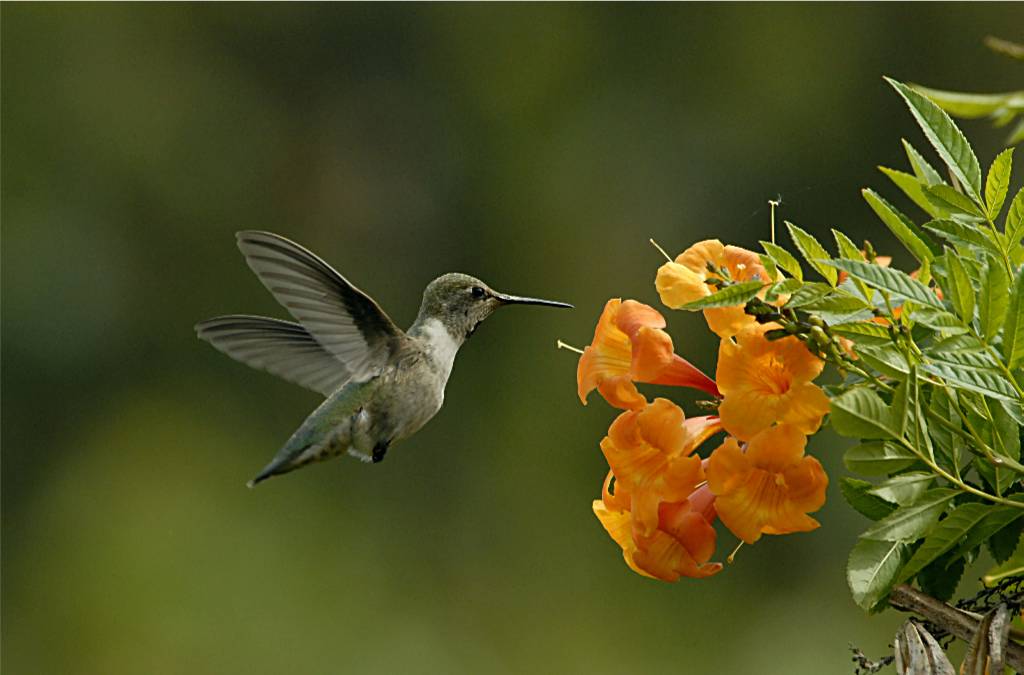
(379, 451)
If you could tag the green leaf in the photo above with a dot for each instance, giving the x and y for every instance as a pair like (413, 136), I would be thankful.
(948, 533)
(878, 458)
(1001, 544)
(914, 188)
(810, 292)
(730, 296)
(972, 371)
(899, 225)
(893, 281)
(996, 519)
(839, 307)
(1013, 327)
(945, 197)
(814, 253)
(1015, 219)
(861, 413)
(849, 251)
(940, 321)
(941, 578)
(997, 183)
(886, 359)
(872, 568)
(945, 137)
(962, 234)
(864, 332)
(969, 106)
(957, 343)
(856, 494)
(960, 287)
(783, 259)
(913, 521)
(905, 488)
(993, 299)
(924, 171)
(1013, 567)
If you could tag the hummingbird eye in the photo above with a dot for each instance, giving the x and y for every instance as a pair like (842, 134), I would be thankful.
(477, 292)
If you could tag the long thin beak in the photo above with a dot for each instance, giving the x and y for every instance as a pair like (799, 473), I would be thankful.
(519, 300)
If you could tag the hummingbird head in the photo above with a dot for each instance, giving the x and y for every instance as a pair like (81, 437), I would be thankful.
(460, 302)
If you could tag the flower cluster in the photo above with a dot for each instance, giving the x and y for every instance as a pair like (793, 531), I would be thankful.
(661, 496)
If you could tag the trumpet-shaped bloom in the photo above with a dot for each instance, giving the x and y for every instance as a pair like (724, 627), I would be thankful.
(680, 546)
(768, 381)
(685, 280)
(651, 453)
(630, 346)
(770, 488)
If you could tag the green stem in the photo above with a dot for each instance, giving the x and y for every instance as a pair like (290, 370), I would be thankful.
(956, 481)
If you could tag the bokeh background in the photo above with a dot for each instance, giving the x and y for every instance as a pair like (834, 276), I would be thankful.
(538, 147)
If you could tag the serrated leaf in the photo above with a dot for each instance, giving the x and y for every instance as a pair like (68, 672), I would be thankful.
(908, 523)
(839, 307)
(886, 359)
(972, 371)
(924, 171)
(1012, 567)
(1015, 219)
(861, 413)
(849, 251)
(872, 568)
(899, 225)
(783, 259)
(1002, 543)
(914, 188)
(947, 534)
(940, 321)
(962, 234)
(941, 578)
(864, 332)
(957, 343)
(969, 106)
(878, 458)
(993, 299)
(945, 197)
(856, 494)
(996, 519)
(892, 281)
(730, 296)
(997, 183)
(945, 137)
(960, 286)
(808, 293)
(1013, 326)
(905, 488)
(814, 253)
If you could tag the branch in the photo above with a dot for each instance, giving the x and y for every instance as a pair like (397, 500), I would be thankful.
(954, 621)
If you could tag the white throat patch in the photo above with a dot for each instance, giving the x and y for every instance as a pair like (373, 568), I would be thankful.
(442, 346)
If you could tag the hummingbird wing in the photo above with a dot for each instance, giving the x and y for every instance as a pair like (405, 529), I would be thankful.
(339, 316)
(282, 348)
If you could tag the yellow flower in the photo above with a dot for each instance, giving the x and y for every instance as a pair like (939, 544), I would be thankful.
(768, 489)
(651, 453)
(768, 381)
(681, 545)
(630, 346)
(685, 280)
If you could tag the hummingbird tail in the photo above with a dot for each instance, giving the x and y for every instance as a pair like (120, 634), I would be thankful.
(287, 460)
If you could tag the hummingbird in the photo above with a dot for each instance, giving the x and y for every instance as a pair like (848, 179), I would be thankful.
(381, 384)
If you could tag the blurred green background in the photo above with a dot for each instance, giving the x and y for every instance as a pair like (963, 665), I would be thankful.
(535, 146)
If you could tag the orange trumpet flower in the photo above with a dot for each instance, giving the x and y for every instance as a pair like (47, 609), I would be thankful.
(630, 346)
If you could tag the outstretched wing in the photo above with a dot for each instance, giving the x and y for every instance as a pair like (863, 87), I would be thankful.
(279, 347)
(343, 319)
